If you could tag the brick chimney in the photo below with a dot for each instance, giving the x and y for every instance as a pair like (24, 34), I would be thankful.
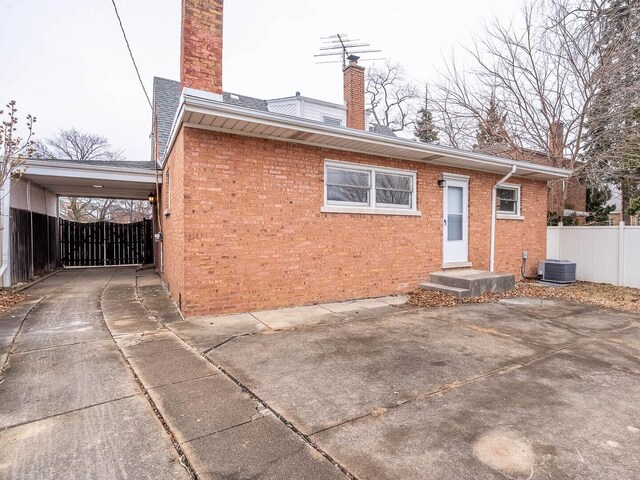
(201, 45)
(354, 93)
(556, 143)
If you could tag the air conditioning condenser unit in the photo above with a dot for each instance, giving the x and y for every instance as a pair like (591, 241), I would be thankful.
(557, 271)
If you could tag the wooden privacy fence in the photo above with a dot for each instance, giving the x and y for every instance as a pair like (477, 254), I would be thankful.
(105, 243)
(34, 244)
(602, 254)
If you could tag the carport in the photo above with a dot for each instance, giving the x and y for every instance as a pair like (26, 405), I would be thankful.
(31, 224)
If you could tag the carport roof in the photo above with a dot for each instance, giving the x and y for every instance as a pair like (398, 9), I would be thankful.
(103, 179)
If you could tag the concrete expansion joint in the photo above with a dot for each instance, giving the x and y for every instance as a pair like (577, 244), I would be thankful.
(10, 352)
(266, 407)
(181, 455)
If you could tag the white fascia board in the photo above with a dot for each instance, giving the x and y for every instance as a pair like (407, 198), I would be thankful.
(205, 106)
(48, 168)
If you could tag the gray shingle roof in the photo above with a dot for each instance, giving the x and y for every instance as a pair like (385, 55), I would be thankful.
(244, 101)
(381, 130)
(166, 97)
(147, 165)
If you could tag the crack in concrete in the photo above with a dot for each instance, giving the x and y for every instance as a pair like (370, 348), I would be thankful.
(10, 352)
(287, 423)
(184, 461)
(61, 414)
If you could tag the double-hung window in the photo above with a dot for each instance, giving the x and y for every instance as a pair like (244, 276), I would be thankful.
(355, 188)
(508, 200)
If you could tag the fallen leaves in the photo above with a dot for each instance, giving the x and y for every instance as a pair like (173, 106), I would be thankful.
(8, 299)
(602, 295)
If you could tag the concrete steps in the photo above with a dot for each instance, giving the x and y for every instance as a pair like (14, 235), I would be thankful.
(469, 283)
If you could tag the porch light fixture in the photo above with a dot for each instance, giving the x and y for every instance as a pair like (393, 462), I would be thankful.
(152, 198)
(442, 183)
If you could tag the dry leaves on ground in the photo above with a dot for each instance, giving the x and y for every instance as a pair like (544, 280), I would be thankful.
(8, 299)
(602, 295)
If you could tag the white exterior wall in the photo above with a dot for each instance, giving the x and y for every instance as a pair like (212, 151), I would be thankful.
(27, 195)
(308, 108)
(602, 254)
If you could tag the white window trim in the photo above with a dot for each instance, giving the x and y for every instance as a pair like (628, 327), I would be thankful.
(371, 209)
(501, 214)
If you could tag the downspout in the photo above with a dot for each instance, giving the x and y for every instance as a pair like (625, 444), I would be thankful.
(493, 214)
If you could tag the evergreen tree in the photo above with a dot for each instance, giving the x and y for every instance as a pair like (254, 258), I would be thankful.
(597, 207)
(613, 127)
(425, 128)
(491, 128)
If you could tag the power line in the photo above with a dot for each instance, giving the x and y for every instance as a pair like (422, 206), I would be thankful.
(131, 54)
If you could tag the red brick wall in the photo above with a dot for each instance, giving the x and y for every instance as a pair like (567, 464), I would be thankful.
(354, 95)
(173, 260)
(254, 236)
(201, 45)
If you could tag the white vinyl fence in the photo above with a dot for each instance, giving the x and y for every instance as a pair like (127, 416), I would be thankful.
(602, 254)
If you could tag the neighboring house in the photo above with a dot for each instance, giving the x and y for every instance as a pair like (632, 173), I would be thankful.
(260, 209)
(576, 203)
(615, 217)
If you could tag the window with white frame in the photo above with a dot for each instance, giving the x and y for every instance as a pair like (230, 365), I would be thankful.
(369, 187)
(508, 199)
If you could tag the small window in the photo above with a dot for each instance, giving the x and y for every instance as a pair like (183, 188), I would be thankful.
(508, 199)
(336, 122)
(348, 187)
(369, 188)
(393, 190)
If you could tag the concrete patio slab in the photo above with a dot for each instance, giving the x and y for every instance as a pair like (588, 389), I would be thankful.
(203, 406)
(169, 367)
(263, 449)
(323, 376)
(502, 320)
(396, 300)
(205, 332)
(295, 317)
(48, 382)
(556, 418)
(138, 345)
(120, 439)
(354, 306)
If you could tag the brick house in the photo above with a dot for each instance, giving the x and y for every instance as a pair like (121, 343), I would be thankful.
(261, 209)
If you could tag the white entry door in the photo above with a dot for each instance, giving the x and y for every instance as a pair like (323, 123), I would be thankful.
(456, 221)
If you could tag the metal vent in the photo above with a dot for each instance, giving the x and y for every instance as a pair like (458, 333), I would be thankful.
(557, 271)
(336, 122)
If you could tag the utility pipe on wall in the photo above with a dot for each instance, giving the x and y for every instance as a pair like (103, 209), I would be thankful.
(493, 213)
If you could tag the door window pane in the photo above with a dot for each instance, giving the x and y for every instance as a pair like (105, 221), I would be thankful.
(454, 227)
(454, 200)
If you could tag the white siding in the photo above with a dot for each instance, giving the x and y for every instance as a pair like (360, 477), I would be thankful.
(27, 195)
(602, 254)
(308, 108)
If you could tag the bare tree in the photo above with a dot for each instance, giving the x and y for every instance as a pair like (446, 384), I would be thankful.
(14, 149)
(542, 70)
(391, 96)
(73, 144)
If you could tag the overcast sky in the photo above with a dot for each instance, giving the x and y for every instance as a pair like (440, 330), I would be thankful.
(66, 62)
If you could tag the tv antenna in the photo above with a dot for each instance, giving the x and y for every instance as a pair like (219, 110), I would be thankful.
(340, 45)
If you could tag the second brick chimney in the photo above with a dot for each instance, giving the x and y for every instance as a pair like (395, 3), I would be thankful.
(354, 93)
(201, 45)
(556, 143)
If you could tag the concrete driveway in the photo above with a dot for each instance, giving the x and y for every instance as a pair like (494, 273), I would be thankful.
(104, 379)
(525, 388)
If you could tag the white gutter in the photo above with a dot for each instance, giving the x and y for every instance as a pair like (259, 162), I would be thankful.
(493, 213)
(205, 103)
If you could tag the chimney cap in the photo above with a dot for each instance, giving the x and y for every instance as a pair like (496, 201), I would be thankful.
(353, 58)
